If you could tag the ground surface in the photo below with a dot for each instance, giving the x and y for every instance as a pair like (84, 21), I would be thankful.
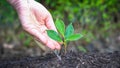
(70, 60)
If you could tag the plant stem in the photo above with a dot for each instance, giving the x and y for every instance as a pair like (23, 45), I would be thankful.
(65, 47)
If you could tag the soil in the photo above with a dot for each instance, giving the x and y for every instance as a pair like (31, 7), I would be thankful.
(70, 60)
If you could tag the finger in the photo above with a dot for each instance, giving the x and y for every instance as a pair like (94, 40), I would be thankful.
(48, 44)
(49, 23)
(57, 45)
(41, 37)
(52, 43)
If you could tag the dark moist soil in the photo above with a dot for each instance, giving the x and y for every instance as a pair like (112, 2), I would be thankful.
(70, 60)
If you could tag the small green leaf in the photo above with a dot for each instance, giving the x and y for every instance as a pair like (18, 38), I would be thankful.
(74, 37)
(69, 30)
(54, 35)
(60, 26)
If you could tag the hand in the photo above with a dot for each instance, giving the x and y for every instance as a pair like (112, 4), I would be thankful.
(35, 19)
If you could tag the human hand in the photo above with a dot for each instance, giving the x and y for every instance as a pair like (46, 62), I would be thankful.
(35, 19)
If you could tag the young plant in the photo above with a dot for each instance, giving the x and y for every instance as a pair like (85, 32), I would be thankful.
(64, 35)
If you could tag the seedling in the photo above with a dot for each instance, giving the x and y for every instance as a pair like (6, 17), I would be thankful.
(64, 35)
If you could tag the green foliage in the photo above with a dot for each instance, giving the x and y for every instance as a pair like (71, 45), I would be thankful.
(25, 38)
(67, 35)
(94, 16)
(54, 35)
(69, 30)
(27, 42)
(60, 26)
(7, 13)
(74, 37)
(81, 48)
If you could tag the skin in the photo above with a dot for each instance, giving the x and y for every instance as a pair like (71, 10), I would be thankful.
(35, 19)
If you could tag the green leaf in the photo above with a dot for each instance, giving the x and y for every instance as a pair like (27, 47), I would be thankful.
(54, 35)
(74, 37)
(69, 30)
(60, 26)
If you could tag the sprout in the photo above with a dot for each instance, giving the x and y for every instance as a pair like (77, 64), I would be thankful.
(64, 35)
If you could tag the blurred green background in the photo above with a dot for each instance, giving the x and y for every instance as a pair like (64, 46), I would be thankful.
(97, 20)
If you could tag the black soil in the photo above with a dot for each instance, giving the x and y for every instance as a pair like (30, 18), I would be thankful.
(70, 60)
